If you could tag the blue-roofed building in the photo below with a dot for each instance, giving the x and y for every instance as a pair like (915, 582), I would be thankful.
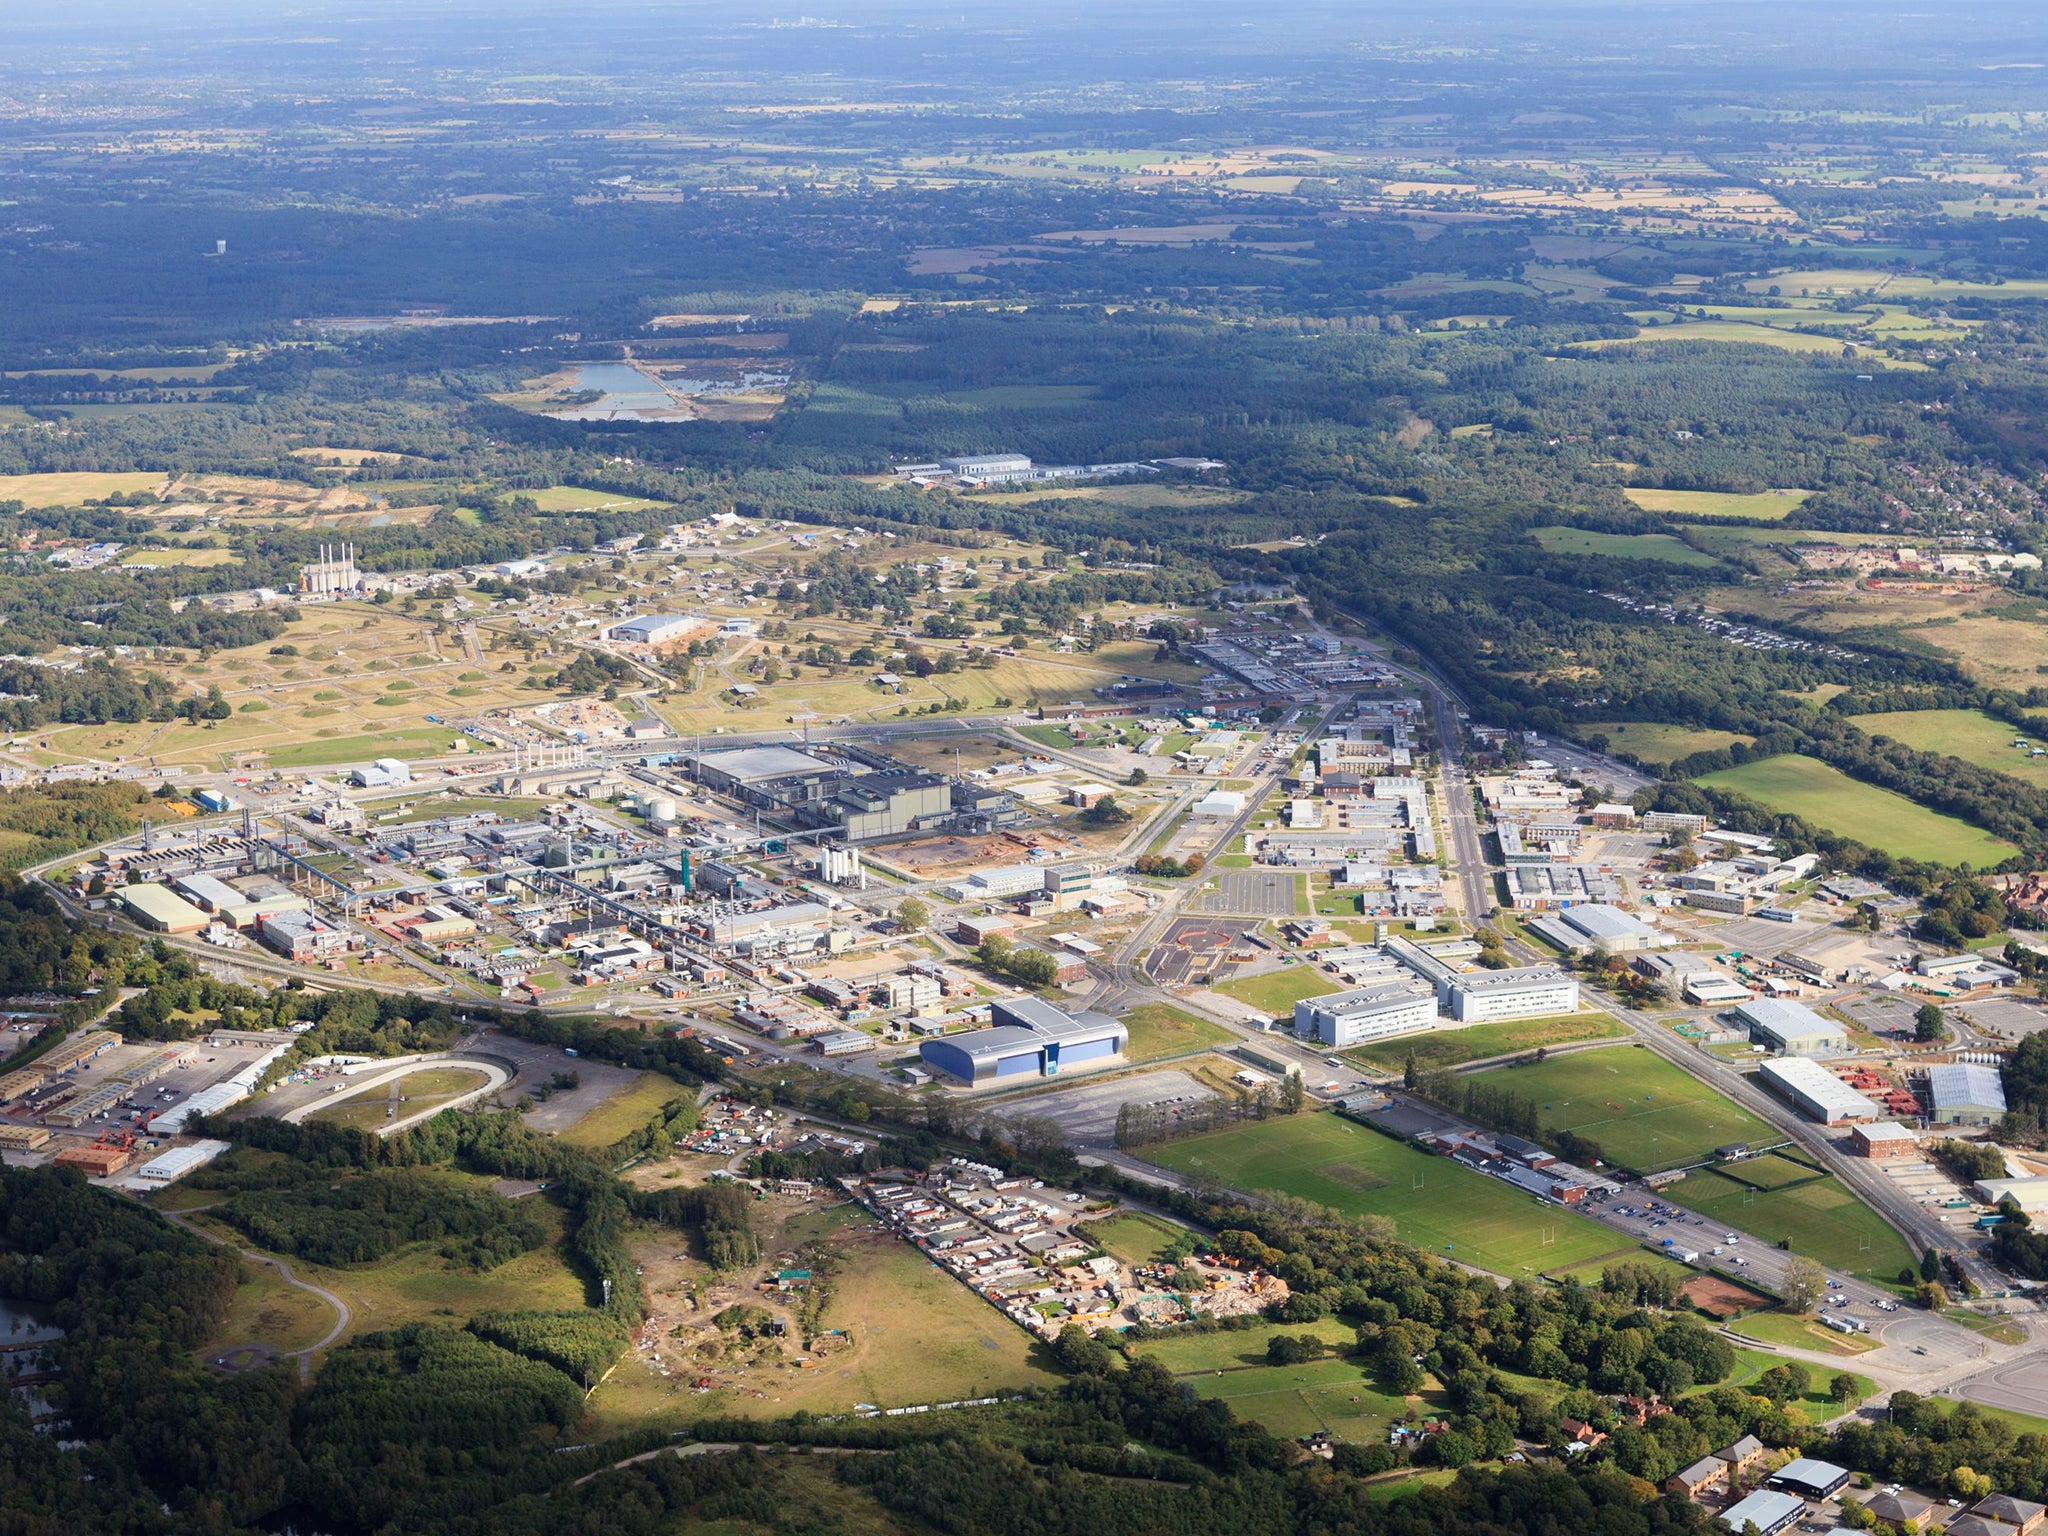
(1026, 1036)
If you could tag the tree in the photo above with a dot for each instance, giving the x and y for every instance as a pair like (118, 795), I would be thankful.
(1929, 1023)
(913, 915)
(1844, 1389)
(1804, 1285)
(1782, 1383)
(1930, 1265)
(1138, 776)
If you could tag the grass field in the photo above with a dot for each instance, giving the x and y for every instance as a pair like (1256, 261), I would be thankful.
(574, 498)
(624, 1112)
(1278, 991)
(1434, 1203)
(1160, 1029)
(1969, 734)
(1799, 1332)
(1295, 1400)
(69, 490)
(1644, 1112)
(269, 1312)
(917, 1336)
(1829, 798)
(1449, 1047)
(1816, 1407)
(1132, 1236)
(1654, 742)
(1765, 506)
(1736, 330)
(1819, 1218)
(1622, 546)
(410, 1094)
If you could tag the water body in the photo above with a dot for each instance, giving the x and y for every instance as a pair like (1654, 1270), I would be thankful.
(628, 393)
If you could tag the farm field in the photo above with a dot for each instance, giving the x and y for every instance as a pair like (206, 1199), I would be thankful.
(1829, 798)
(1449, 1047)
(624, 1112)
(1767, 506)
(1969, 734)
(1433, 1203)
(1278, 991)
(1644, 1112)
(1654, 742)
(69, 490)
(1818, 1217)
(1724, 330)
(1666, 547)
(1160, 1029)
(574, 498)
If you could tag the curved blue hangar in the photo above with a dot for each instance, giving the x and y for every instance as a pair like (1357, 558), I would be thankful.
(1027, 1036)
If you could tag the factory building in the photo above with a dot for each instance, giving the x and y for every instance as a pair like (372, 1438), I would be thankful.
(1766, 1509)
(1393, 1007)
(1814, 1091)
(382, 773)
(155, 906)
(651, 629)
(1026, 1036)
(1599, 927)
(1792, 1028)
(765, 776)
(889, 804)
(1966, 1094)
(302, 937)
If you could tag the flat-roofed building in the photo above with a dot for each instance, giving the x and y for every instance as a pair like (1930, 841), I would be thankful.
(652, 628)
(1527, 992)
(1026, 1035)
(158, 907)
(1792, 1028)
(765, 776)
(1885, 1141)
(1808, 1478)
(1767, 1509)
(1394, 1007)
(1814, 1091)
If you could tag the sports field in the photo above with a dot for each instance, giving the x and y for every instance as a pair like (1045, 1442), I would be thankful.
(1829, 798)
(1449, 1047)
(1278, 991)
(1970, 734)
(1817, 1217)
(1765, 506)
(1644, 1112)
(1622, 546)
(1434, 1203)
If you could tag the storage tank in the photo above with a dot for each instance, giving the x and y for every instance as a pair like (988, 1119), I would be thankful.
(659, 807)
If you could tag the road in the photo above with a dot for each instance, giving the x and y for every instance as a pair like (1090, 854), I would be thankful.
(342, 1315)
(495, 1074)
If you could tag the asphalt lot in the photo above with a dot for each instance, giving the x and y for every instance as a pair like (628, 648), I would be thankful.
(2006, 1016)
(1192, 947)
(1250, 892)
(1088, 1113)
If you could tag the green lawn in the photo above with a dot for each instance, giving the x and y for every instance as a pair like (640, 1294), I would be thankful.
(1768, 506)
(1133, 1236)
(1186, 1354)
(1799, 1332)
(1433, 1202)
(1159, 1029)
(1809, 788)
(1665, 547)
(1816, 1407)
(1644, 1112)
(1295, 1400)
(1449, 1047)
(1278, 991)
(1655, 742)
(1818, 1218)
(1970, 734)
(625, 1111)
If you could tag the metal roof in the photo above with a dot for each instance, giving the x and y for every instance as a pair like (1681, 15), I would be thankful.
(1966, 1083)
(1788, 1021)
(747, 764)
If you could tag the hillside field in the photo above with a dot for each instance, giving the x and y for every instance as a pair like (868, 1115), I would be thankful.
(1829, 798)
(1434, 1203)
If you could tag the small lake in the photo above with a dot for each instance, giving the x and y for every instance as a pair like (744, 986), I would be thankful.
(625, 388)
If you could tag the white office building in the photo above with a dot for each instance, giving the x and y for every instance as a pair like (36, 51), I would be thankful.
(1387, 1008)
